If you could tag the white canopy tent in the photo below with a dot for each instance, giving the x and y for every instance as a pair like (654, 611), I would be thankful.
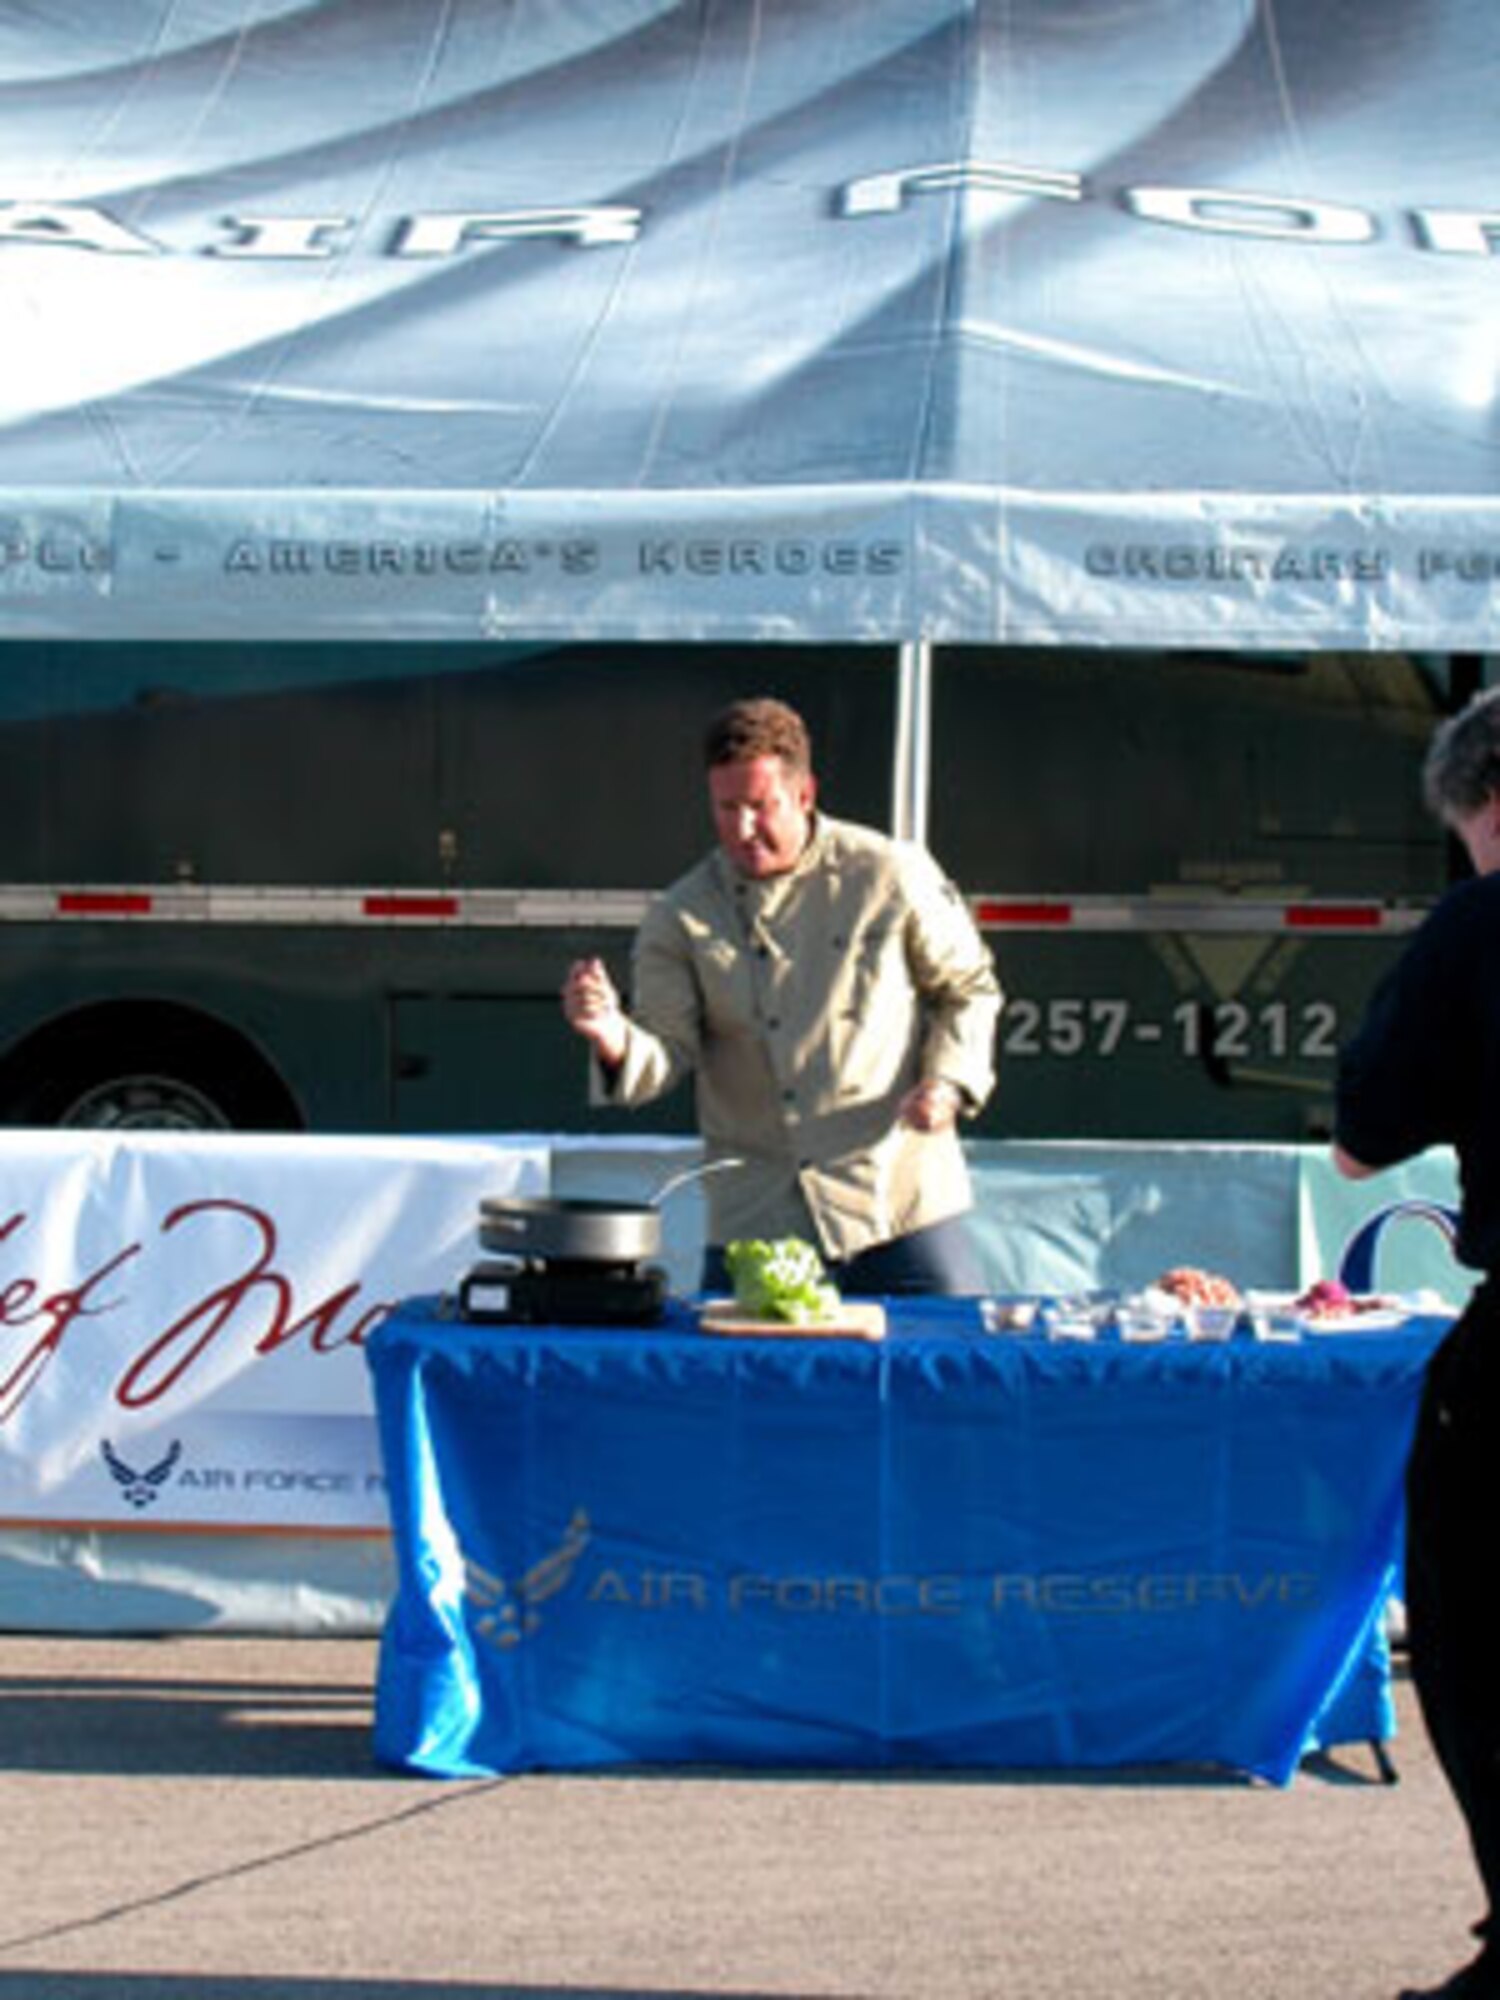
(922, 321)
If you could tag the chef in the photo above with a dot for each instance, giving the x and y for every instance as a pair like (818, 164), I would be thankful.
(828, 991)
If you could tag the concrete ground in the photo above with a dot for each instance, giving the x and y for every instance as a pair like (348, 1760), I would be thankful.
(199, 1818)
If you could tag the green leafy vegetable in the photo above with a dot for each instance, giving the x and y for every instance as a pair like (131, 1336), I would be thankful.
(782, 1280)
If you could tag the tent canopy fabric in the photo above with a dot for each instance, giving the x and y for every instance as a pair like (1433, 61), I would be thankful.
(972, 321)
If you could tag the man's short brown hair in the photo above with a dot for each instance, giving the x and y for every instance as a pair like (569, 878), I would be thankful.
(759, 726)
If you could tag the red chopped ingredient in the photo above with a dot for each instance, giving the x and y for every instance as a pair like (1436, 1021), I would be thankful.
(1197, 1288)
(1327, 1295)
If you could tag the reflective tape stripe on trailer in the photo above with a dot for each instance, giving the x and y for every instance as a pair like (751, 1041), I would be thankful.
(1230, 913)
(622, 909)
(194, 903)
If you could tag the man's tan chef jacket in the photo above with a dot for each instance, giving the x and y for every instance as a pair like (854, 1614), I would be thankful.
(806, 1006)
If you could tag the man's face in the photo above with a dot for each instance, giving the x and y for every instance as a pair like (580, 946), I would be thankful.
(761, 812)
(1480, 833)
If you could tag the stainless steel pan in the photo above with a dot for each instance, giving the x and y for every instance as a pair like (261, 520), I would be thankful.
(579, 1230)
(570, 1230)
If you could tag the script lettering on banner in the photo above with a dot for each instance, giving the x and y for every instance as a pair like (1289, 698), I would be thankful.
(182, 1327)
(162, 1361)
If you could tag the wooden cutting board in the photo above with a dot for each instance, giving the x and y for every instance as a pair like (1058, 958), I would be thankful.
(856, 1319)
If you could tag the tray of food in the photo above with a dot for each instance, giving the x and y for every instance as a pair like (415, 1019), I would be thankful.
(855, 1319)
(782, 1290)
(1328, 1306)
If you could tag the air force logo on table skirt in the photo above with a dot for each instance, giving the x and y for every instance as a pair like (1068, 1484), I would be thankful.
(505, 1611)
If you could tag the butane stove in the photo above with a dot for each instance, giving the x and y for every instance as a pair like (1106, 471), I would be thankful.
(550, 1291)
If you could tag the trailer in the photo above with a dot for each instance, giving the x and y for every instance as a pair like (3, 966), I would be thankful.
(1089, 423)
(339, 893)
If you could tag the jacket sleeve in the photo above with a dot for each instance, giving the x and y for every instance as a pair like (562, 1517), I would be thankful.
(954, 974)
(664, 1026)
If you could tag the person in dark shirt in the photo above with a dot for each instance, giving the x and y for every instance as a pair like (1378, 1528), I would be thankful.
(1424, 1070)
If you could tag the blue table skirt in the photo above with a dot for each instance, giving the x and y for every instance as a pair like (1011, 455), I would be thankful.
(947, 1548)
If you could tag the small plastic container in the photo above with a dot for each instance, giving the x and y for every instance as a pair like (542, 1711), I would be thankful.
(1009, 1315)
(1072, 1319)
(1275, 1323)
(1211, 1322)
(1137, 1322)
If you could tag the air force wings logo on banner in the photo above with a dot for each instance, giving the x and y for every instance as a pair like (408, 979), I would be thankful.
(507, 1612)
(141, 1488)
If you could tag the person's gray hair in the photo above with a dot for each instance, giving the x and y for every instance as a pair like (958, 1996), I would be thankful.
(1462, 767)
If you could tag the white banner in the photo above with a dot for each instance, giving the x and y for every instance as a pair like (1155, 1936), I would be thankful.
(1391, 1233)
(182, 1319)
(1055, 1216)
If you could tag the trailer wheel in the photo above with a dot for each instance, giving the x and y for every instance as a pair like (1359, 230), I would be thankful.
(143, 1102)
(149, 1070)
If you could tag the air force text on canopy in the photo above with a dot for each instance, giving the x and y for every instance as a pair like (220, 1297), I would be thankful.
(1459, 232)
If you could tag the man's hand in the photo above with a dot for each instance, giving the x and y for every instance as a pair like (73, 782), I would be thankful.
(932, 1107)
(591, 1007)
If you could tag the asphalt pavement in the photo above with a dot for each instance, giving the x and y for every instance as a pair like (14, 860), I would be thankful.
(200, 1818)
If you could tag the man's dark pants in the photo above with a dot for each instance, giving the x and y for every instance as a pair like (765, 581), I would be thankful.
(1453, 1576)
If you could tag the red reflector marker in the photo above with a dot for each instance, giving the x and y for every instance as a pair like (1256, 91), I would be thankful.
(103, 903)
(987, 912)
(1333, 917)
(420, 907)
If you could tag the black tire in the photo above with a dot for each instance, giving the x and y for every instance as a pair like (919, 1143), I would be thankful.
(133, 1078)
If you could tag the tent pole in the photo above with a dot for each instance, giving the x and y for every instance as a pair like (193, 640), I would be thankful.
(912, 764)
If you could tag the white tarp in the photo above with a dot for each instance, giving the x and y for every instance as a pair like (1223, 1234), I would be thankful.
(181, 1318)
(968, 320)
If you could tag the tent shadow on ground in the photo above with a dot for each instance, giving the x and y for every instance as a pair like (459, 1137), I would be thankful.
(189, 1727)
(164, 1726)
(196, 1986)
